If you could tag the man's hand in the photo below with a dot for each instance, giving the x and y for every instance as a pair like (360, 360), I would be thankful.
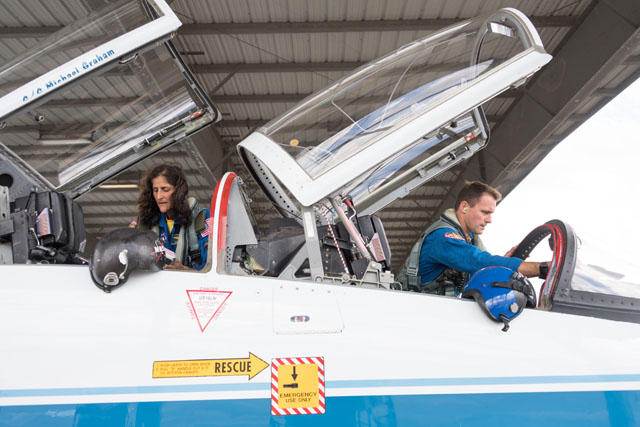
(510, 252)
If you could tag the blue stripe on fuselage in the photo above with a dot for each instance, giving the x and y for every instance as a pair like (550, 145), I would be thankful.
(257, 386)
(589, 408)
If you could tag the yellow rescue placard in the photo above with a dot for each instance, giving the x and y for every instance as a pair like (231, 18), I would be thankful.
(250, 366)
(300, 386)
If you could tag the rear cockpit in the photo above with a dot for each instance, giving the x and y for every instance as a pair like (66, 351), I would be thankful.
(90, 101)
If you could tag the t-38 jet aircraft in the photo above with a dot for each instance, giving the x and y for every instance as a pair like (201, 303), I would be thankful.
(303, 322)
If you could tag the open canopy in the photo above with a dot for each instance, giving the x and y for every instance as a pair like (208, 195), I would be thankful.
(119, 60)
(395, 123)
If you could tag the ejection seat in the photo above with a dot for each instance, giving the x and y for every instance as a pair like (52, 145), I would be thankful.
(43, 227)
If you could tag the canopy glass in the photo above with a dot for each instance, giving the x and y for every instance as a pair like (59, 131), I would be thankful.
(394, 123)
(108, 92)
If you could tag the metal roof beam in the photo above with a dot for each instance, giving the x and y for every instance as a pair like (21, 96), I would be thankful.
(331, 125)
(101, 189)
(292, 97)
(393, 211)
(425, 198)
(57, 150)
(90, 102)
(302, 27)
(27, 32)
(350, 26)
(275, 67)
(127, 216)
(315, 67)
(86, 128)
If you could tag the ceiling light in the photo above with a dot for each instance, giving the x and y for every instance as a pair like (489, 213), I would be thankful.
(117, 186)
(74, 141)
(498, 28)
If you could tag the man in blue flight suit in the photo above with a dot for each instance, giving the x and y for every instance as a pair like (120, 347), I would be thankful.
(452, 250)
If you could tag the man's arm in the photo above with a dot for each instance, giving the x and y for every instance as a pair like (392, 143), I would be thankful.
(457, 254)
(529, 269)
(448, 248)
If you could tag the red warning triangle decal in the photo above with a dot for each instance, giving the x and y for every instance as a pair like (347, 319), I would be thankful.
(206, 304)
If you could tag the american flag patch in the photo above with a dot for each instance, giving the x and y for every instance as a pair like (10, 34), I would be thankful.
(207, 228)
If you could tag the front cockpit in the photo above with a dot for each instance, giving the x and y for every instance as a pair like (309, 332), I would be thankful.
(348, 151)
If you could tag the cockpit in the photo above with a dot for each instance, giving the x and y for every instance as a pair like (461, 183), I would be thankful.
(90, 102)
(346, 152)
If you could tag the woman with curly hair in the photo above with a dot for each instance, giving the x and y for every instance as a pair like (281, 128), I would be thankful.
(165, 207)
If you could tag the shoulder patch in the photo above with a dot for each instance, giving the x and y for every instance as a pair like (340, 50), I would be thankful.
(453, 235)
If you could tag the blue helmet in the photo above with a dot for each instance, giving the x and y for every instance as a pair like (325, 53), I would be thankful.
(501, 292)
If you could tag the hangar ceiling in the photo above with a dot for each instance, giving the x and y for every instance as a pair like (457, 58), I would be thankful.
(257, 59)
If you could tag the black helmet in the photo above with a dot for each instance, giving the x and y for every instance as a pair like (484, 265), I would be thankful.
(122, 251)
